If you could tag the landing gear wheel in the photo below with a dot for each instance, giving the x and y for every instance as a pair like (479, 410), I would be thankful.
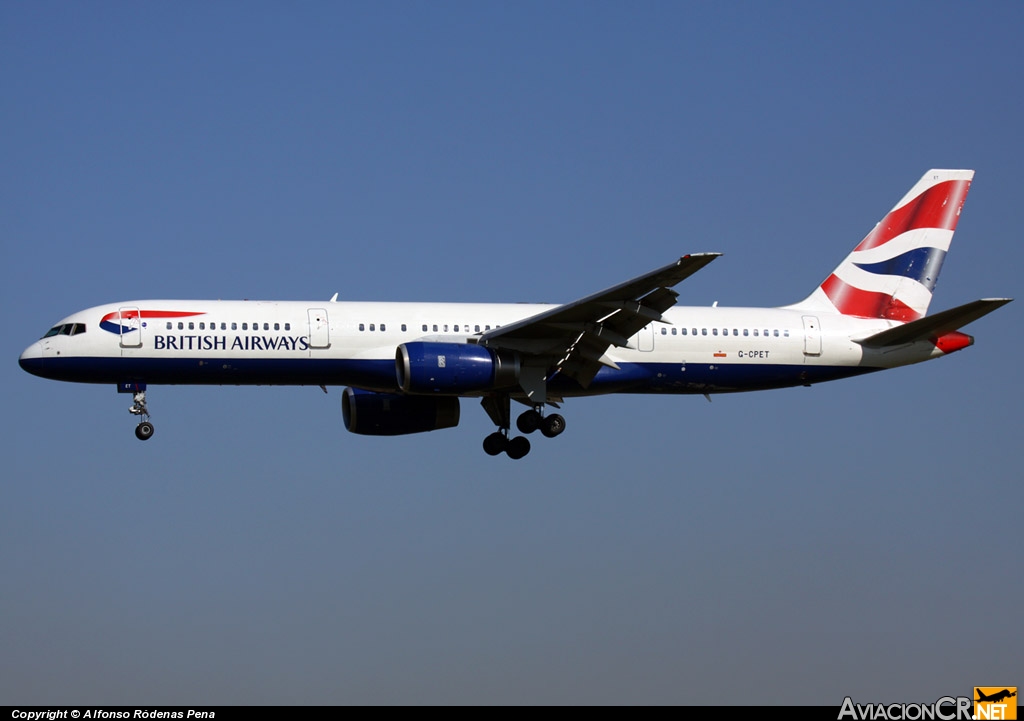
(144, 431)
(529, 421)
(518, 447)
(495, 444)
(553, 425)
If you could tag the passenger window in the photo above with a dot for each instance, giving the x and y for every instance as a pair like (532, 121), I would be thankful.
(714, 331)
(703, 331)
(169, 325)
(191, 325)
(785, 333)
(435, 327)
(277, 326)
(245, 326)
(362, 327)
(735, 331)
(287, 326)
(746, 332)
(371, 326)
(382, 328)
(476, 329)
(424, 327)
(456, 329)
(404, 328)
(776, 333)
(445, 327)
(673, 331)
(234, 325)
(487, 327)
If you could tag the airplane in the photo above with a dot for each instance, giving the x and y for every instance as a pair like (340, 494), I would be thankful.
(405, 366)
(996, 697)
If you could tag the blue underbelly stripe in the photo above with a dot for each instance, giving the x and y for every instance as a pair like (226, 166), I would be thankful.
(380, 374)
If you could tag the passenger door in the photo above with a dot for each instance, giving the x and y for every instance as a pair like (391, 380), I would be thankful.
(812, 336)
(130, 320)
(319, 328)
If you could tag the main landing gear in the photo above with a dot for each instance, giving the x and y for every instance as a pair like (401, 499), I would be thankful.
(499, 442)
(143, 431)
(531, 420)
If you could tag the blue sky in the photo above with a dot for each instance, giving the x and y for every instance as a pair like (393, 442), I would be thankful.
(858, 538)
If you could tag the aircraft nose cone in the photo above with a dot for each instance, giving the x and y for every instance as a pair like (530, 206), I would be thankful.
(32, 359)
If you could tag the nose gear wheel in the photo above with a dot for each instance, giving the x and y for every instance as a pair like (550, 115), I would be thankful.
(143, 431)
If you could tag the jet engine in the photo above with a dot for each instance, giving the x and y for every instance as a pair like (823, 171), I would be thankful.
(453, 368)
(389, 414)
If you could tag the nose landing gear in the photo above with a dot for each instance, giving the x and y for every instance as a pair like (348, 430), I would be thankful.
(143, 431)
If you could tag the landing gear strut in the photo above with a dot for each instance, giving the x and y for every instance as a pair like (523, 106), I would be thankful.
(143, 431)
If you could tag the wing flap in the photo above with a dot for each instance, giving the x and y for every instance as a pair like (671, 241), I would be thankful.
(576, 336)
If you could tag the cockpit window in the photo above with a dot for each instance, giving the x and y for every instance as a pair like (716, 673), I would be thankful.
(66, 329)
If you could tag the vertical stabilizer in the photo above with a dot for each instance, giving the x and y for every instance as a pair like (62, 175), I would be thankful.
(892, 272)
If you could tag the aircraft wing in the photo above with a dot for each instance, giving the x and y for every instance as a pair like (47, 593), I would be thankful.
(934, 325)
(575, 336)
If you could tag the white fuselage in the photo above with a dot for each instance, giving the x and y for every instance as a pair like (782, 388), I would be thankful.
(699, 349)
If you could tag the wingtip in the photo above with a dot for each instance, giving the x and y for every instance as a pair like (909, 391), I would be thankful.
(699, 255)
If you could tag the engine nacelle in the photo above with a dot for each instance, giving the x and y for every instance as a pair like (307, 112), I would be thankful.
(389, 414)
(453, 368)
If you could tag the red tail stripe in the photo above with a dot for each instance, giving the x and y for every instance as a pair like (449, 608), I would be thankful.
(865, 303)
(937, 207)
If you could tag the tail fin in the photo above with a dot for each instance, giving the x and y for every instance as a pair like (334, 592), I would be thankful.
(893, 271)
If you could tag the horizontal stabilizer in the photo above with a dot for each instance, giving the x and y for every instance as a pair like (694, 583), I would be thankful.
(934, 325)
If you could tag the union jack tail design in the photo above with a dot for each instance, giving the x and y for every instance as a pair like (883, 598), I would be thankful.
(893, 271)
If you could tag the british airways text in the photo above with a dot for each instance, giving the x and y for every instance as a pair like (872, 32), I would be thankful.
(238, 342)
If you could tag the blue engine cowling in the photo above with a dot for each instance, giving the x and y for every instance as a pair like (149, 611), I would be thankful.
(453, 368)
(389, 414)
